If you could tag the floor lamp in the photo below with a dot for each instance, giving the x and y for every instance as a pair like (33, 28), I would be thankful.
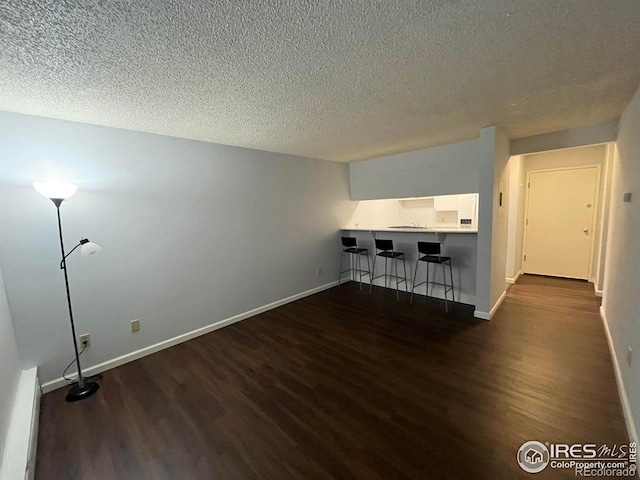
(57, 193)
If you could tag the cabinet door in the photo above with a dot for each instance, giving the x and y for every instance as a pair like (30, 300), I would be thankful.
(467, 206)
(445, 203)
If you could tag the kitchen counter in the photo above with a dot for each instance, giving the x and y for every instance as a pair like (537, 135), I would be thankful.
(461, 248)
(411, 229)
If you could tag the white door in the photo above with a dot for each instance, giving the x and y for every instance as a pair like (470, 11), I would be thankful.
(561, 209)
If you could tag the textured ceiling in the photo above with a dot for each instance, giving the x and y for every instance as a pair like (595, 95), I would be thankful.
(339, 80)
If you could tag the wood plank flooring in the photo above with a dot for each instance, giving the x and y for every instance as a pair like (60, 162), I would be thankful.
(351, 386)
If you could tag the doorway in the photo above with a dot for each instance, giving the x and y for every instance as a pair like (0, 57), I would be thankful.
(561, 206)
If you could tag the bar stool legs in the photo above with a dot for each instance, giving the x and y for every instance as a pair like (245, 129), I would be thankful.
(453, 290)
(373, 272)
(362, 273)
(404, 266)
(444, 277)
(431, 254)
(413, 284)
(384, 249)
(350, 246)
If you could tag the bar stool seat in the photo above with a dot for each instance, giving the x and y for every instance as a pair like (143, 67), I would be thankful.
(390, 254)
(384, 249)
(431, 253)
(355, 250)
(434, 259)
(350, 246)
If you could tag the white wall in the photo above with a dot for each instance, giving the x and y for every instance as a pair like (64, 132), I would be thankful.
(500, 225)
(522, 210)
(193, 233)
(444, 170)
(376, 213)
(621, 302)
(576, 157)
(516, 209)
(10, 366)
(603, 224)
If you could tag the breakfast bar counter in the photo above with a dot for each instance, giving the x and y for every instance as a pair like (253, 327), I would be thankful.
(458, 243)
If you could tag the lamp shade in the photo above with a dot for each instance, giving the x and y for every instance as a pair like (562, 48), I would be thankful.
(55, 189)
(89, 248)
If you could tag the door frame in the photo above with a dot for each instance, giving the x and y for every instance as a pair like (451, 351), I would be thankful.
(594, 218)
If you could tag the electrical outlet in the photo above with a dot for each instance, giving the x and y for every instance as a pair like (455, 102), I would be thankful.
(318, 272)
(629, 355)
(85, 340)
(135, 325)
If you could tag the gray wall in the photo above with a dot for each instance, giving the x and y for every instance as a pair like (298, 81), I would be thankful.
(621, 302)
(444, 170)
(493, 158)
(463, 167)
(486, 176)
(574, 137)
(10, 366)
(192, 232)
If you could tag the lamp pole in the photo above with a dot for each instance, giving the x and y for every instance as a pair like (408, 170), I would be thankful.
(57, 192)
(58, 202)
(82, 389)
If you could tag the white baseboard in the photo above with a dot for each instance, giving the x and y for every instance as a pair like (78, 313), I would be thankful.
(19, 458)
(487, 316)
(143, 352)
(514, 279)
(496, 306)
(595, 289)
(622, 391)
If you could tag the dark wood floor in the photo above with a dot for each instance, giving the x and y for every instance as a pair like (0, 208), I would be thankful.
(344, 385)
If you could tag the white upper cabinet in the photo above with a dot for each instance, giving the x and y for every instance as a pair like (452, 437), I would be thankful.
(445, 203)
(467, 206)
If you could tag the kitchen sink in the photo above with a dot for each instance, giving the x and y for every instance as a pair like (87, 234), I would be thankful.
(407, 226)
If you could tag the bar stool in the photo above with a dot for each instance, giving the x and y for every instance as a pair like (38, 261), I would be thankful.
(351, 247)
(384, 249)
(431, 254)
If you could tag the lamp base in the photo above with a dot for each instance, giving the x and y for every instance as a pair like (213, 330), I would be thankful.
(80, 393)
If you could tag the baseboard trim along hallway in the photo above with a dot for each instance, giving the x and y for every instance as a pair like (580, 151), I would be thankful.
(487, 316)
(622, 391)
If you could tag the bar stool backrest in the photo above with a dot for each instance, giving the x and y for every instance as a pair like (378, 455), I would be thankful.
(384, 245)
(349, 242)
(429, 248)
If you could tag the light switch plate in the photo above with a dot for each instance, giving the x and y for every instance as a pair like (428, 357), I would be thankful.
(626, 198)
(135, 325)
